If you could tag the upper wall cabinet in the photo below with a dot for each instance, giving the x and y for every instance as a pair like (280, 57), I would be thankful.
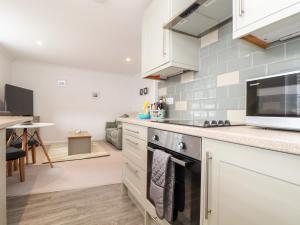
(165, 53)
(267, 20)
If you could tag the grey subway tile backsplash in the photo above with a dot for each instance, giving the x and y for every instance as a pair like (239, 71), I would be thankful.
(171, 90)
(228, 54)
(241, 63)
(219, 68)
(207, 101)
(284, 66)
(257, 71)
(293, 49)
(238, 90)
(216, 47)
(222, 92)
(204, 52)
(270, 55)
(187, 115)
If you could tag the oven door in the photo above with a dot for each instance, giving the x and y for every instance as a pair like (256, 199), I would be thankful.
(277, 96)
(187, 188)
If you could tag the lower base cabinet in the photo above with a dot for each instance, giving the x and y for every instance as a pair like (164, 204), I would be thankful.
(249, 186)
(135, 180)
(135, 171)
(241, 185)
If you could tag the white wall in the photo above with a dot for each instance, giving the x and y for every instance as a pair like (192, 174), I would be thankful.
(73, 107)
(137, 100)
(5, 73)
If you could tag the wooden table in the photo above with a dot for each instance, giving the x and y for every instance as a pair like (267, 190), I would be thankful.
(79, 143)
(36, 134)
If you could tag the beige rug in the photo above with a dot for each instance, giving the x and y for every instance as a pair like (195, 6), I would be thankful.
(59, 153)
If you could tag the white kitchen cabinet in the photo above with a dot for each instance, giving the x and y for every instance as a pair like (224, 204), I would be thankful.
(250, 16)
(164, 52)
(135, 180)
(249, 186)
(135, 161)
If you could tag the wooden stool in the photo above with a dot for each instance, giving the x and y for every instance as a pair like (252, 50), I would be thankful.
(13, 154)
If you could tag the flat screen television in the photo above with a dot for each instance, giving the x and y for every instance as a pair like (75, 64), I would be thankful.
(18, 101)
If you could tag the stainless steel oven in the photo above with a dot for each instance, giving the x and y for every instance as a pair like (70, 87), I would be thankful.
(186, 154)
(274, 101)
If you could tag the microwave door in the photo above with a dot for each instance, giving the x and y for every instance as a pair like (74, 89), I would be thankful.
(292, 94)
(266, 97)
(274, 97)
(274, 101)
(252, 98)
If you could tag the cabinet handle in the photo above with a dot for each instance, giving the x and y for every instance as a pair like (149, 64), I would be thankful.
(241, 7)
(132, 142)
(164, 43)
(207, 211)
(133, 131)
(131, 168)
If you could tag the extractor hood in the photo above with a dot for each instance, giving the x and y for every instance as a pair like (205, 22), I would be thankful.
(201, 17)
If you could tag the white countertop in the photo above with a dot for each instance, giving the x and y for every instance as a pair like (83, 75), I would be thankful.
(276, 140)
(7, 121)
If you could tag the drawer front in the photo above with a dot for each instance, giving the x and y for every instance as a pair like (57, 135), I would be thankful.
(136, 150)
(139, 132)
(135, 180)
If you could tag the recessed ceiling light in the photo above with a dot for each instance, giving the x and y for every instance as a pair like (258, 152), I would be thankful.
(39, 43)
(128, 59)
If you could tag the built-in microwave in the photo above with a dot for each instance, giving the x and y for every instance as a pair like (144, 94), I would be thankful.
(274, 101)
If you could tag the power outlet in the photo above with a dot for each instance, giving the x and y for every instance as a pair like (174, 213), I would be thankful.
(170, 101)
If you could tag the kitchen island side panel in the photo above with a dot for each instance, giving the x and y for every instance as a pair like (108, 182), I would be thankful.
(2, 178)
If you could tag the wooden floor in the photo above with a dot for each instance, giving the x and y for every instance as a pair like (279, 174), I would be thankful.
(105, 205)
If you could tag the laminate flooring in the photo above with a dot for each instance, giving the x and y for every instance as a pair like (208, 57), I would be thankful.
(104, 205)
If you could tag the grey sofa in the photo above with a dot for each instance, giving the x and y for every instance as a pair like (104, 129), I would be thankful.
(113, 133)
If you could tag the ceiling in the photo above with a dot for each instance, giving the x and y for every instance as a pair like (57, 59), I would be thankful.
(92, 34)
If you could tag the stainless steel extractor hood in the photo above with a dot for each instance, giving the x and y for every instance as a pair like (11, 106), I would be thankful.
(201, 17)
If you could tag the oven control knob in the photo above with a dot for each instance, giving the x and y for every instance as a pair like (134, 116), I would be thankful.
(155, 138)
(181, 145)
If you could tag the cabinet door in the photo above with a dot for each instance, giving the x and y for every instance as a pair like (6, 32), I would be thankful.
(136, 150)
(250, 186)
(155, 39)
(135, 180)
(247, 12)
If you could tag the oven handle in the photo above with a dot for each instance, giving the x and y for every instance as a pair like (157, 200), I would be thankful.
(178, 161)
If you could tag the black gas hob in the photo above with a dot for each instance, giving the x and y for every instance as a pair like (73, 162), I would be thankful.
(198, 123)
